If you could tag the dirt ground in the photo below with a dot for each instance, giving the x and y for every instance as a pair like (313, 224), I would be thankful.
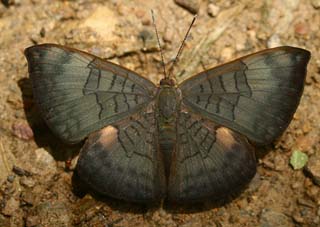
(35, 184)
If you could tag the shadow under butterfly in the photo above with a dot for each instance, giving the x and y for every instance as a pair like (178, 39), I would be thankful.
(184, 142)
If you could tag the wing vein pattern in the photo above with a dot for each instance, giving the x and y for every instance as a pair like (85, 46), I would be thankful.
(255, 95)
(79, 93)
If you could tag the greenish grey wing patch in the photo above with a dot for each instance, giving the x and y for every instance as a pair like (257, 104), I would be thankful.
(122, 160)
(79, 93)
(255, 95)
(210, 162)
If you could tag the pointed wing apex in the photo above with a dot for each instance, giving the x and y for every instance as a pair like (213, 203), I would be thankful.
(255, 95)
(78, 93)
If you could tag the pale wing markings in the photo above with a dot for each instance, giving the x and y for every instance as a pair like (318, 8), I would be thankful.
(208, 165)
(134, 172)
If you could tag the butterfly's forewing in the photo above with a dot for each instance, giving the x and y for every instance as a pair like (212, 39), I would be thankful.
(122, 160)
(255, 95)
(210, 161)
(79, 93)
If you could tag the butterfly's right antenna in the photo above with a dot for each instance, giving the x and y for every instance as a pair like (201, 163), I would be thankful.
(161, 53)
(182, 45)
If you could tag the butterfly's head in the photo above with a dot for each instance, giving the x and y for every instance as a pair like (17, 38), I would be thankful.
(168, 82)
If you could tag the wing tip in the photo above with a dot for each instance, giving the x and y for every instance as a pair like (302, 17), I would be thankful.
(306, 54)
(29, 50)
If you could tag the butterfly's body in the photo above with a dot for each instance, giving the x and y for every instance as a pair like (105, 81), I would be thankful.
(168, 104)
(186, 142)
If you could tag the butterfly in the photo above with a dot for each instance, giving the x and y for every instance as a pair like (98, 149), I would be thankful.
(185, 142)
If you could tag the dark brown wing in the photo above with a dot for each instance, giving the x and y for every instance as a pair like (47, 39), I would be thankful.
(210, 161)
(79, 93)
(122, 160)
(255, 95)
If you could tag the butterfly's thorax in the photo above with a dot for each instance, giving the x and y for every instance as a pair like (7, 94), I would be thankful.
(168, 104)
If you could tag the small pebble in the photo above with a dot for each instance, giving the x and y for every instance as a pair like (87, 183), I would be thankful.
(140, 13)
(274, 41)
(44, 161)
(32, 221)
(315, 4)
(313, 168)
(32, 196)
(255, 183)
(168, 35)
(252, 35)
(143, 16)
(268, 164)
(241, 43)
(280, 163)
(296, 185)
(4, 221)
(301, 28)
(271, 218)
(27, 182)
(22, 130)
(226, 54)
(20, 172)
(146, 20)
(192, 6)
(313, 192)
(11, 206)
(306, 203)
(297, 217)
(11, 178)
(42, 32)
(213, 10)
(149, 40)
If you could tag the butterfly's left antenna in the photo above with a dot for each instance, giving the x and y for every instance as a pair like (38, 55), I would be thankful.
(161, 53)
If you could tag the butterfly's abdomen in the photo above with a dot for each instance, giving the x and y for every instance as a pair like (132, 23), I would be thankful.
(167, 109)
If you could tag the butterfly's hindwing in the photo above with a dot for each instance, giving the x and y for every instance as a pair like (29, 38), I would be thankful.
(256, 95)
(79, 93)
(122, 160)
(210, 161)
